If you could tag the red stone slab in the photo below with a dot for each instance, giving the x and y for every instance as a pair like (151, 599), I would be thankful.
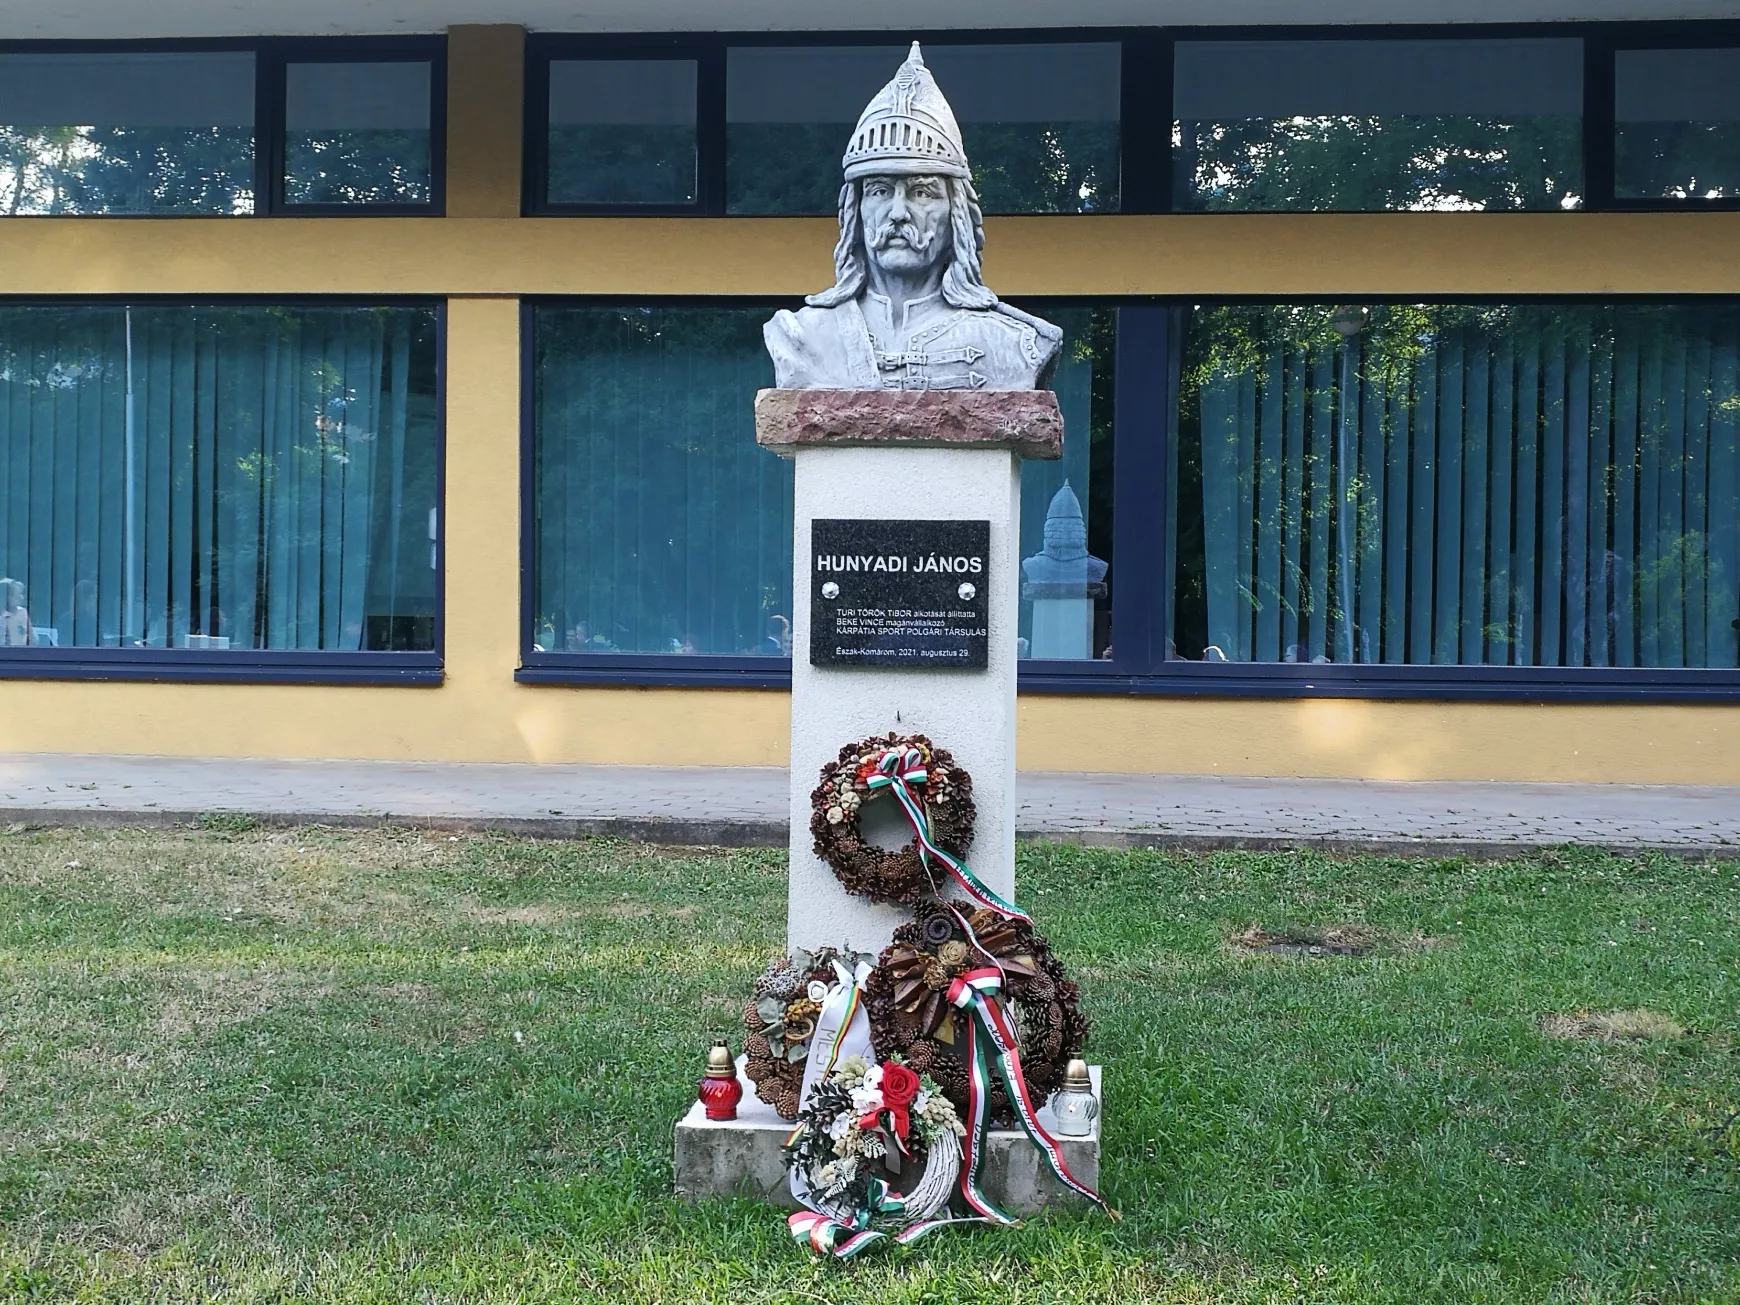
(1026, 422)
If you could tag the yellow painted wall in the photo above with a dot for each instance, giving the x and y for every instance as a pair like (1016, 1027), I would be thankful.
(1340, 254)
(483, 257)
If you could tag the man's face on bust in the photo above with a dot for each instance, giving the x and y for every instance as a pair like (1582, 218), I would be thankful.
(906, 222)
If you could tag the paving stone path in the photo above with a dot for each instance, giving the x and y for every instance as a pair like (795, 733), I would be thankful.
(746, 805)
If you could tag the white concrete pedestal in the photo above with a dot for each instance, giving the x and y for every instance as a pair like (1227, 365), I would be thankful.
(879, 455)
(969, 712)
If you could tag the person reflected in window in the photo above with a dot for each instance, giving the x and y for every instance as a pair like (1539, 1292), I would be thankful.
(778, 640)
(580, 638)
(15, 631)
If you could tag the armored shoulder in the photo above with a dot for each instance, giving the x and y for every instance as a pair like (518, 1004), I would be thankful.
(1041, 342)
(1045, 329)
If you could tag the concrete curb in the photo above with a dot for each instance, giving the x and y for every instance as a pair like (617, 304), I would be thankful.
(767, 833)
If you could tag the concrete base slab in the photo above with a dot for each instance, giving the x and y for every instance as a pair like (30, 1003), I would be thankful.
(742, 1157)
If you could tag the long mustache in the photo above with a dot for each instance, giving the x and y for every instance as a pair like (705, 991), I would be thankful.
(884, 235)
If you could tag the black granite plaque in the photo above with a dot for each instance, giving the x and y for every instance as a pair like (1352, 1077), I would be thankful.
(899, 593)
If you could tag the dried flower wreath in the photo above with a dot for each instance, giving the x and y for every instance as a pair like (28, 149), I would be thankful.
(846, 784)
(781, 1020)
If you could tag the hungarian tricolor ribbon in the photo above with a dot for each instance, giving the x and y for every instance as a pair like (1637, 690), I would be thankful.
(899, 771)
(842, 1239)
(991, 1047)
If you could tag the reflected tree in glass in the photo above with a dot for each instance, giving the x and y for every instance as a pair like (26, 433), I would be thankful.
(47, 171)
(148, 132)
(357, 133)
(1368, 163)
(1677, 124)
(1367, 125)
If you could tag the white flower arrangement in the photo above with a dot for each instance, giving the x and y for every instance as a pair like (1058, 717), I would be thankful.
(857, 1114)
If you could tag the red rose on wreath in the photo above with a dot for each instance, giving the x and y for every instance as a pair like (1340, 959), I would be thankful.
(899, 1086)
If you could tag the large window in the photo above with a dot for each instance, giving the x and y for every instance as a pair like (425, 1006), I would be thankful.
(663, 530)
(1040, 121)
(149, 132)
(1378, 124)
(1385, 499)
(662, 527)
(171, 130)
(1551, 485)
(1677, 124)
(218, 480)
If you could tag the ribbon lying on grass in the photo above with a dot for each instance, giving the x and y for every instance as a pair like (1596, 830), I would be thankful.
(898, 771)
(827, 1235)
(991, 1045)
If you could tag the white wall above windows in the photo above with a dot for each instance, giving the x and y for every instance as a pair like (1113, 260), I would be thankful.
(99, 19)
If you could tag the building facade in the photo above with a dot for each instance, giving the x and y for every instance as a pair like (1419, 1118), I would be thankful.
(389, 396)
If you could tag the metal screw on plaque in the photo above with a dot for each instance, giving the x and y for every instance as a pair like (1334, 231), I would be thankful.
(966, 592)
(830, 590)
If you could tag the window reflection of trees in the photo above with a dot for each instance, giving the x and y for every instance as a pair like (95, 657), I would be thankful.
(87, 169)
(1366, 163)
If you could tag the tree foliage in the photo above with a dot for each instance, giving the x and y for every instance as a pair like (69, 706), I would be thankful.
(1366, 163)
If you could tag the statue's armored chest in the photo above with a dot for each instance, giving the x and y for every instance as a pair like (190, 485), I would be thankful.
(967, 350)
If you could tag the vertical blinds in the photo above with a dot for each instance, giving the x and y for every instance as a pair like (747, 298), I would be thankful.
(219, 477)
(662, 527)
(1530, 486)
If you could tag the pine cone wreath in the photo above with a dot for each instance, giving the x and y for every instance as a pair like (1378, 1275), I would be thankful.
(869, 871)
(911, 1017)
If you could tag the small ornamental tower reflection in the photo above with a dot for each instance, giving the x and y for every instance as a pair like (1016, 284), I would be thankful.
(1061, 582)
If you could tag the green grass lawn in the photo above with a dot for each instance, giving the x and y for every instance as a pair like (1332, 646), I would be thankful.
(258, 1066)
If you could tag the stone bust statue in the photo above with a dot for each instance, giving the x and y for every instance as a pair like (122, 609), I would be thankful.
(908, 309)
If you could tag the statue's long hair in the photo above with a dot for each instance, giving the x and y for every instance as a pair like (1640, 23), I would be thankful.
(963, 283)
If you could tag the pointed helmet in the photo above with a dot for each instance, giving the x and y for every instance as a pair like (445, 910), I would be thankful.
(908, 129)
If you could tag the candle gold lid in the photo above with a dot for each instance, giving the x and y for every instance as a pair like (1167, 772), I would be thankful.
(1075, 1076)
(720, 1063)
